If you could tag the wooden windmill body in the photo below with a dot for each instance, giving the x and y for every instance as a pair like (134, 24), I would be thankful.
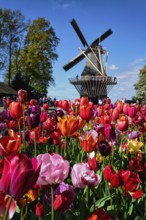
(93, 82)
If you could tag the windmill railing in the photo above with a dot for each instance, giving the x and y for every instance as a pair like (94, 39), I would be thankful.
(103, 79)
(93, 85)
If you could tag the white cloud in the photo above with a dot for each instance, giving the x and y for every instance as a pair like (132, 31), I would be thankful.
(61, 4)
(126, 80)
(112, 67)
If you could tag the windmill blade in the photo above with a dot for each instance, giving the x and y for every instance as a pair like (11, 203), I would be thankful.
(73, 62)
(79, 33)
(101, 38)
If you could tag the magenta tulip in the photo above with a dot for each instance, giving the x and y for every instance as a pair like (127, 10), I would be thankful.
(19, 175)
(54, 169)
(132, 111)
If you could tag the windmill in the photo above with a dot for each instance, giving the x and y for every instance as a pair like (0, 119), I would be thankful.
(94, 82)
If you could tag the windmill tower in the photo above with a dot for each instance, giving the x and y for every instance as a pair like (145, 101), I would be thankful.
(93, 82)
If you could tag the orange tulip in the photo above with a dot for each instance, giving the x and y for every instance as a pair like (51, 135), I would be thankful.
(9, 144)
(68, 125)
(16, 110)
(89, 141)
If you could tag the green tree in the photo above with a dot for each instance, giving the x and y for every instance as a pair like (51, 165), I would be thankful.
(140, 86)
(12, 29)
(34, 63)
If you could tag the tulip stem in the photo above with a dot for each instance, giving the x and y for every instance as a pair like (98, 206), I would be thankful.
(35, 151)
(52, 203)
(7, 208)
(24, 142)
(19, 129)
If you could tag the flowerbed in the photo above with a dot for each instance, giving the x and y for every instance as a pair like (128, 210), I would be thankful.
(82, 161)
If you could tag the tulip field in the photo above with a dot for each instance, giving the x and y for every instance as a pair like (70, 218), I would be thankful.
(81, 161)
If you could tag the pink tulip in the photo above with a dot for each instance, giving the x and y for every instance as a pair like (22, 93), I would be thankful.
(22, 95)
(54, 169)
(19, 175)
(82, 176)
(132, 111)
(43, 116)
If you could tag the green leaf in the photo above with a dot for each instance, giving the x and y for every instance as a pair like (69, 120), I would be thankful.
(101, 202)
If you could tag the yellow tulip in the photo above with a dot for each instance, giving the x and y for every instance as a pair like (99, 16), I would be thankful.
(134, 146)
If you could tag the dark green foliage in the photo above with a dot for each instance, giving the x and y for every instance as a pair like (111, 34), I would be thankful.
(140, 86)
(27, 52)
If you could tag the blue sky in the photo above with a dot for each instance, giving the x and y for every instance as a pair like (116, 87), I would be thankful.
(126, 46)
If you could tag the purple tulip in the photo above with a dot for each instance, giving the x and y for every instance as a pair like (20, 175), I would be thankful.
(63, 197)
(6, 115)
(54, 169)
(104, 148)
(133, 135)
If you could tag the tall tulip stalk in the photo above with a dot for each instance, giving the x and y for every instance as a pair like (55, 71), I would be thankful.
(79, 162)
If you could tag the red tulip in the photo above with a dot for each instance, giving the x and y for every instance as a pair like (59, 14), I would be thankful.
(125, 108)
(99, 213)
(86, 111)
(84, 101)
(56, 137)
(92, 164)
(62, 201)
(65, 105)
(16, 110)
(39, 210)
(19, 175)
(107, 101)
(13, 125)
(106, 119)
(33, 102)
(8, 101)
(119, 106)
(113, 177)
(137, 194)
(131, 180)
(43, 116)
(45, 106)
(49, 124)
(115, 114)
(106, 106)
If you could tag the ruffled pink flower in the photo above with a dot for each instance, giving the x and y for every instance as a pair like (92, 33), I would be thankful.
(82, 176)
(54, 169)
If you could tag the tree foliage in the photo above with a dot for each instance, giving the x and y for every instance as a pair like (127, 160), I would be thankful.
(32, 55)
(12, 28)
(140, 86)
